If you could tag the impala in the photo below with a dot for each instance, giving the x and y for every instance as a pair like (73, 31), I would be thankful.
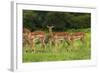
(55, 37)
(26, 40)
(77, 36)
(37, 35)
(68, 37)
(29, 38)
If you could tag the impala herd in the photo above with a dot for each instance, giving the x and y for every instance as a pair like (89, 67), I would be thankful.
(52, 37)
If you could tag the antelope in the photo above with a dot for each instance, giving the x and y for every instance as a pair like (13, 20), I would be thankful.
(58, 36)
(77, 36)
(25, 36)
(39, 35)
(30, 37)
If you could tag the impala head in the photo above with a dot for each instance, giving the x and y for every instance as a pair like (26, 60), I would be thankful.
(50, 30)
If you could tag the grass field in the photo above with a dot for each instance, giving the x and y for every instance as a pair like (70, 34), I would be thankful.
(78, 51)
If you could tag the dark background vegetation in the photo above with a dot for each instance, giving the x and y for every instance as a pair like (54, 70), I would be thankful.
(38, 20)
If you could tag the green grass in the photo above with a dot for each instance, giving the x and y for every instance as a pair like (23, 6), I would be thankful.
(78, 51)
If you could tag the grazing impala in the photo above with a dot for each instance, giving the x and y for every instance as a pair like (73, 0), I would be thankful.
(26, 40)
(77, 35)
(39, 35)
(29, 38)
(61, 36)
(56, 36)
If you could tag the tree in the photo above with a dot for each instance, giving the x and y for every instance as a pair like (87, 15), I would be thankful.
(38, 20)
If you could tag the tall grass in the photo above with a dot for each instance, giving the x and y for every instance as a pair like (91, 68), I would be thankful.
(62, 51)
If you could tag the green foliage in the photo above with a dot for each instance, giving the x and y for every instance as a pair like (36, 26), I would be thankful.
(38, 20)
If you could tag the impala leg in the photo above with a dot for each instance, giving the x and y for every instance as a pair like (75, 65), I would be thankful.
(56, 45)
(82, 39)
(43, 43)
(50, 42)
(32, 46)
(70, 44)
